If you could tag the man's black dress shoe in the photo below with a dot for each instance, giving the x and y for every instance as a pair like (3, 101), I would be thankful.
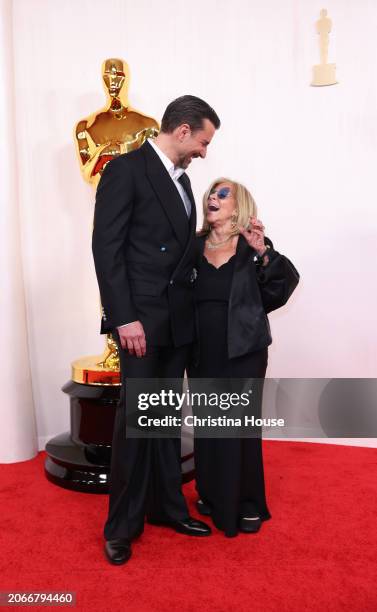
(188, 526)
(250, 524)
(203, 508)
(118, 551)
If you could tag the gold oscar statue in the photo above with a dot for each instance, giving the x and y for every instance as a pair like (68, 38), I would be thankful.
(324, 73)
(115, 129)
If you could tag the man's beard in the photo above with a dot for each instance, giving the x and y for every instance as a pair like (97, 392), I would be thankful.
(184, 161)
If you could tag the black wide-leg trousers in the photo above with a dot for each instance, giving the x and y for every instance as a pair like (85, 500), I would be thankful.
(145, 473)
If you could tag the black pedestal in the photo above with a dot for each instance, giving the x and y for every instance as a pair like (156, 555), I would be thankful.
(80, 459)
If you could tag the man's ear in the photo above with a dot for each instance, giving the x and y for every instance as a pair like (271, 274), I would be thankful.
(183, 131)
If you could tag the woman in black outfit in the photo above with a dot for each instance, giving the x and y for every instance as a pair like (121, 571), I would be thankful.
(240, 279)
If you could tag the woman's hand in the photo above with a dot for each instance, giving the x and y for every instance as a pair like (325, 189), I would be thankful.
(254, 235)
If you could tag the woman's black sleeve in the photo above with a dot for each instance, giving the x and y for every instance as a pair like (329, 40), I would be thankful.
(277, 280)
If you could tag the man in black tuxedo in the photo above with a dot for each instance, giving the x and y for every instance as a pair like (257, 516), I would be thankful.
(143, 241)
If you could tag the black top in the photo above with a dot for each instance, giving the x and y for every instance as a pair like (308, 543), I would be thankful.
(255, 291)
(214, 284)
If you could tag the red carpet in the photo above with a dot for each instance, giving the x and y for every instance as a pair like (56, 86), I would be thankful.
(318, 552)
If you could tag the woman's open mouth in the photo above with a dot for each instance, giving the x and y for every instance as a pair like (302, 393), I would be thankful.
(213, 207)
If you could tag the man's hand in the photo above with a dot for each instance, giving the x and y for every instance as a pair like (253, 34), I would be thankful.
(132, 338)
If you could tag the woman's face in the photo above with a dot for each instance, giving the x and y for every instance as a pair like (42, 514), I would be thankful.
(221, 204)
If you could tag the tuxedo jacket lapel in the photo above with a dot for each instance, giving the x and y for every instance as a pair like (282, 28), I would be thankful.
(191, 223)
(185, 182)
(167, 194)
(187, 187)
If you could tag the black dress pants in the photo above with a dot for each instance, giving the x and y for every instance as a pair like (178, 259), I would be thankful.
(145, 473)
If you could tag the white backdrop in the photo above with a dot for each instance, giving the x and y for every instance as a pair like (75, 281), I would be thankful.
(307, 154)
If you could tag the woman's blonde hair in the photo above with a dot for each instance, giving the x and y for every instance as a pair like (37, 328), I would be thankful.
(245, 205)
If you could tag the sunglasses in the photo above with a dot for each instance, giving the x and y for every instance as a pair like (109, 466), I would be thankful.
(220, 193)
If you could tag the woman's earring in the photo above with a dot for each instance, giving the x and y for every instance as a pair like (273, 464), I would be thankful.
(234, 219)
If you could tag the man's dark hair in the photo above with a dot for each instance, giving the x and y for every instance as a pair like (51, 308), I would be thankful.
(190, 110)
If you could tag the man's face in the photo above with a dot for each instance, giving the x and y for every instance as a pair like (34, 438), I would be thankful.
(193, 144)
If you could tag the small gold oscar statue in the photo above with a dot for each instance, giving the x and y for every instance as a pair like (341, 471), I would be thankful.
(115, 129)
(324, 73)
